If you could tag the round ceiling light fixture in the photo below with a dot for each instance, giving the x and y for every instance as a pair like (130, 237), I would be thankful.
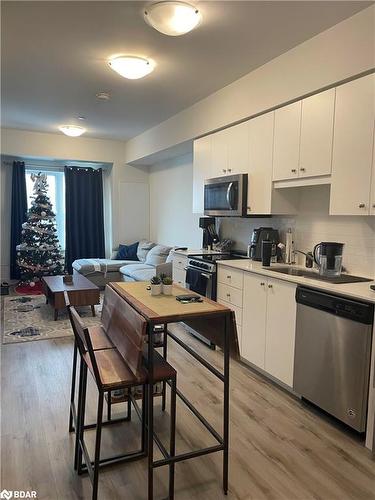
(172, 18)
(72, 130)
(131, 67)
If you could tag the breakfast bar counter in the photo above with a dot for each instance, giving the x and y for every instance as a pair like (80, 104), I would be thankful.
(164, 309)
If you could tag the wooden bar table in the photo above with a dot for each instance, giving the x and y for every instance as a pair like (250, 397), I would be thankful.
(164, 309)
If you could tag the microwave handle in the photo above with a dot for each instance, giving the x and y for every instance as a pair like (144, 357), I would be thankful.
(229, 189)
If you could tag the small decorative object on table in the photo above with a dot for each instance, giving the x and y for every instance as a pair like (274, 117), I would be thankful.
(155, 283)
(68, 279)
(167, 285)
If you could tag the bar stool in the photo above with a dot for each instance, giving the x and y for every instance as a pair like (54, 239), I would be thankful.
(122, 367)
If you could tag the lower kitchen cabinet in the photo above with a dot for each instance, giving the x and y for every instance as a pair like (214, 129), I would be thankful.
(254, 319)
(268, 325)
(280, 330)
(178, 269)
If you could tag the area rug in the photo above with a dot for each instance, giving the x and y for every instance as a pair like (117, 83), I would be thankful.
(28, 318)
(23, 289)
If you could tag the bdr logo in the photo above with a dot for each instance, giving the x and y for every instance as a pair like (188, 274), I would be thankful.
(17, 494)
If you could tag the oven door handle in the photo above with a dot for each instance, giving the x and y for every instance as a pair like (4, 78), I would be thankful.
(229, 189)
(208, 276)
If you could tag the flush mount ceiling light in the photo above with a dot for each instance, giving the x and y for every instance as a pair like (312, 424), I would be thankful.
(72, 130)
(131, 67)
(172, 18)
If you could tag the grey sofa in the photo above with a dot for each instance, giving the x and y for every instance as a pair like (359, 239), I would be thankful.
(153, 260)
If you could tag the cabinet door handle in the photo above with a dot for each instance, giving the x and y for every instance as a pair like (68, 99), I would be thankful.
(293, 170)
(228, 294)
(303, 169)
(229, 170)
(262, 284)
(361, 205)
(373, 205)
(224, 170)
(270, 286)
(249, 209)
(229, 277)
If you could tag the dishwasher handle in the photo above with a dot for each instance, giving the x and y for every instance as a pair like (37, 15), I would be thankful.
(362, 312)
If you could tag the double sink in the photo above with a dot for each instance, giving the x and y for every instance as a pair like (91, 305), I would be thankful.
(297, 271)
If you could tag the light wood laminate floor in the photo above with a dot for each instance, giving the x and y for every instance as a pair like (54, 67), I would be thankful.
(280, 448)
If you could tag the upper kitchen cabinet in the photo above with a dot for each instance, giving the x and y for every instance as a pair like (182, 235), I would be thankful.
(230, 151)
(260, 164)
(201, 171)
(287, 141)
(353, 144)
(317, 134)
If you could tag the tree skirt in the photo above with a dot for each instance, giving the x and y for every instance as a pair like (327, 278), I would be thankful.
(23, 289)
(28, 318)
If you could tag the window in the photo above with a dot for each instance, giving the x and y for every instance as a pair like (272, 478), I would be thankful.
(56, 193)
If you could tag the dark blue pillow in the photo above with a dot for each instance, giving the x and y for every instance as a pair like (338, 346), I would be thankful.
(127, 252)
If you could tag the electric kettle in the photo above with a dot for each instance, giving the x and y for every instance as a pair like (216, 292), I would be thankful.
(328, 258)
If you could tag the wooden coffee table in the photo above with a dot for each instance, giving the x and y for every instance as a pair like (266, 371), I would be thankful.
(82, 292)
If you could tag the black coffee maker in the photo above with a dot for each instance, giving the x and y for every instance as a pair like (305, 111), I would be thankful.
(209, 232)
(260, 234)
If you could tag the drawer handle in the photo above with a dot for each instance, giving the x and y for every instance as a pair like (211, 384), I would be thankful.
(229, 277)
(361, 205)
(224, 171)
(262, 284)
(293, 170)
(270, 286)
(228, 294)
(229, 170)
(303, 169)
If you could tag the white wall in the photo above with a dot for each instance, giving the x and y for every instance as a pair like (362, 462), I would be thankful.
(341, 52)
(21, 143)
(171, 198)
(313, 225)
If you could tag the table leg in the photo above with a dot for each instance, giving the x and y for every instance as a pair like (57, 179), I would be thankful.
(56, 314)
(150, 408)
(165, 338)
(226, 404)
(93, 310)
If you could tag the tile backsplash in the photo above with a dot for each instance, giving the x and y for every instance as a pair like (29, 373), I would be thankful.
(311, 226)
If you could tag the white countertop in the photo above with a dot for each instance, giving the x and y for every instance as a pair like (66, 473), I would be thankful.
(193, 251)
(361, 291)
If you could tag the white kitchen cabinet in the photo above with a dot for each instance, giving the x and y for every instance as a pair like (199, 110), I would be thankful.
(280, 330)
(317, 134)
(268, 325)
(287, 141)
(260, 164)
(219, 153)
(372, 193)
(254, 319)
(238, 149)
(201, 171)
(230, 151)
(179, 264)
(353, 145)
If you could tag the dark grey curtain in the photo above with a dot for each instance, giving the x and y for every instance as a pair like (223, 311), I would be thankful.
(18, 214)
(84, 220)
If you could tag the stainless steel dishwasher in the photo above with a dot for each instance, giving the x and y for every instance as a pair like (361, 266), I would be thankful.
(332, 354)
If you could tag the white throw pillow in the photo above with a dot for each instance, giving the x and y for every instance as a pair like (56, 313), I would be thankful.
(144, 247)
(157, 255)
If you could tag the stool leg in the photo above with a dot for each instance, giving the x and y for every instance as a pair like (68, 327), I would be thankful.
(164, 394)
(129, 409)
(79, 411)
(73, 387)
(144, 417)
(109, 405)
(97, 446)
(172, 446)
(81, 419)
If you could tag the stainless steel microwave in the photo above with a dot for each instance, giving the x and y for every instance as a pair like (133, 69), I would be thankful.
(226, 196)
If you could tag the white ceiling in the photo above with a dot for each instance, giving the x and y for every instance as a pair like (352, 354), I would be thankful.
(54, 58)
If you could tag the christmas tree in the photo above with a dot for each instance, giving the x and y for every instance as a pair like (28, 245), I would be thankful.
(39, 254)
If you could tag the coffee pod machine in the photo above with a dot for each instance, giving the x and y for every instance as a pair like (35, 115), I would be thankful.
(255, 246)
(210, 235)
